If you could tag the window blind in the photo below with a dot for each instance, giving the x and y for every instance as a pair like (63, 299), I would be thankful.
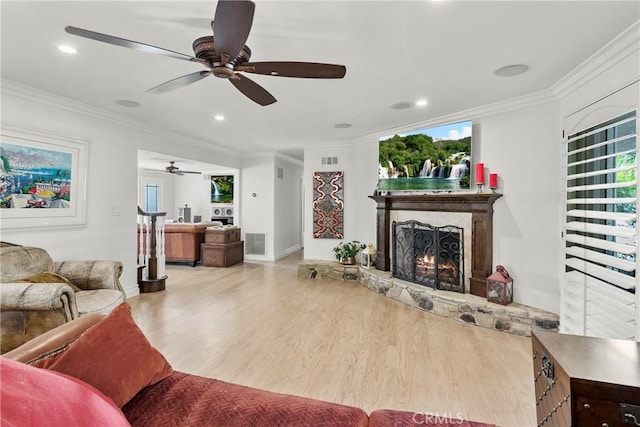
(601, 230)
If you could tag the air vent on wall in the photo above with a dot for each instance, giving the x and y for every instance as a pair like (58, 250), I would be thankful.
(329, 160)
(254, 244)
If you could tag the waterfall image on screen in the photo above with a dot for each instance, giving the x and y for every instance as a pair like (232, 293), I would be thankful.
(432, 159)
(222, 189)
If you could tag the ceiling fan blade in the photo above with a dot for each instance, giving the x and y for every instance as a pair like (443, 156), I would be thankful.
(308, 70)
(199, 173)
(105, 38)
(232, 22)
(179, 82)
(252, 90)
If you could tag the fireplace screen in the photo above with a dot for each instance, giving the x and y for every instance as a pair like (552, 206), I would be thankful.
(428, 255)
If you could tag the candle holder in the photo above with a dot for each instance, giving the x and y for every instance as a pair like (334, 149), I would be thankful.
(493, 182)
(480, 187)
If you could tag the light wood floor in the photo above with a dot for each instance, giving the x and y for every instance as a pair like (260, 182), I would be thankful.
(257, 324)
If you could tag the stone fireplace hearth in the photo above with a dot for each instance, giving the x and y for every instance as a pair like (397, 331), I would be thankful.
(471, 213)
(514, 318)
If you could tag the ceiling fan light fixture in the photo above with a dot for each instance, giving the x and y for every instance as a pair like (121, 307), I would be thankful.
(511, 70)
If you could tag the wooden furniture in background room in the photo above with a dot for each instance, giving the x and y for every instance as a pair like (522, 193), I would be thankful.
(182, 241)
(222, 247)
(586, 381)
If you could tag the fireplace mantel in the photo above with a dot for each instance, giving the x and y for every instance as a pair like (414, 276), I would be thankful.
(480, 205)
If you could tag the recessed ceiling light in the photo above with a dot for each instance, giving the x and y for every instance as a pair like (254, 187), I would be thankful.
(421, 103)
(511, 70)
(218, 117)
(402, 105)
(127, 103)
(342, 125)
(67, 49)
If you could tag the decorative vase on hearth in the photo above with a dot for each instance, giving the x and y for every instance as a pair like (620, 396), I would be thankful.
(350, 260)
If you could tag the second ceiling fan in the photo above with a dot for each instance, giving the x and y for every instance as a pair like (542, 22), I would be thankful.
(225, 54)
(173, 169)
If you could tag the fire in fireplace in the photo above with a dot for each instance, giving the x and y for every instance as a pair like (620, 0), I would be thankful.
(429, 256)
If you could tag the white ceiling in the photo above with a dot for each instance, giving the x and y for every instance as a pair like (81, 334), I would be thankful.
(394, 51)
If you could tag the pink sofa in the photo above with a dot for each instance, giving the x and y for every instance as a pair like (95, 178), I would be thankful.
(111, 357)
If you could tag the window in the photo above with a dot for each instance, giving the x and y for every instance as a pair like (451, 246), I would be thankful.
(151, 197)
(601, 229)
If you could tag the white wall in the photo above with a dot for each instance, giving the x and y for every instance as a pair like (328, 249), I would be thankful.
(360, 166)
(257, 200)
(522, 146)
(288, 207)
(192, 190)
(112, 174)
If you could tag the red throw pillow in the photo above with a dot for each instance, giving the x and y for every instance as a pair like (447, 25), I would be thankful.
(114, 356)
(35, 397)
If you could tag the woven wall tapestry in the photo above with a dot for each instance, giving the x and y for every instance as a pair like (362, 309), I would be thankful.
(328, 205)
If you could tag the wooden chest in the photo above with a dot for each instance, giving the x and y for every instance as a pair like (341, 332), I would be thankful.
(222, 255)
(223, 235)
(585, 381)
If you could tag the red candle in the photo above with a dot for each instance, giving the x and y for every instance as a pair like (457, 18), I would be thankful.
(493, 180)
(479, 173)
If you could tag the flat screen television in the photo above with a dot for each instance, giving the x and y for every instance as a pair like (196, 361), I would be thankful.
(222, 189)
(433, 159)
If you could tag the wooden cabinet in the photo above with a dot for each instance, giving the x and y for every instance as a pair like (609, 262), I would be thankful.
(585, 381)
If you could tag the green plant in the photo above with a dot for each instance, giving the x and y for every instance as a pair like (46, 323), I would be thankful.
(348, 249)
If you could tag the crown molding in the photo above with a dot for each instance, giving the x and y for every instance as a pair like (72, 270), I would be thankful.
(476, 113)
(46, 98)
(621, 47)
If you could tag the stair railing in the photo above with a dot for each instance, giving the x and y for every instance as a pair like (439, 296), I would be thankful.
(151, 250)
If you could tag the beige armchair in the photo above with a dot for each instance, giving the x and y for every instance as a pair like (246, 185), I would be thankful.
(38, 294)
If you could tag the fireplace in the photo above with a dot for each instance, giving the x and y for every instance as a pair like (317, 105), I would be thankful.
(429, 255)
(477, 207)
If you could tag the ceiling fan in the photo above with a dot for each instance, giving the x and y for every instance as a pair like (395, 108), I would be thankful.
(172, 168)
(225, 54)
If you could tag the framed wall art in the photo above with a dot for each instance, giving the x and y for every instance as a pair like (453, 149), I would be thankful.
(42, 180)
(328, 205)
